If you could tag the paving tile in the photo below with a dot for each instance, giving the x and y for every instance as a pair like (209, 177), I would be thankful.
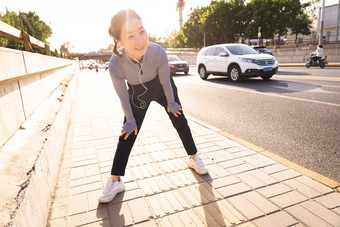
(85, 188)
(247, 209)
(274, 190)
(140, 210)
(216, 171)
(88, 217)
(250, 180)
(215, 156)
(224, 181)
(314, 185)
(59, 211)
(330, 201)
(231, 214)
(274, 168)
(58, 222)
(336, 210)
(231, 163)
(84, 162)
(255, 161)
(288, 199)
(306, 217)
(91, 170)
(190, 218)
(302, 188)
(233, 189)
(85, 180)
(322, 212)
(102, 223)
(204, 214)
(120, 214)
(286, 174)
(244, 153)
(92, 198)
(191, 199)
(241, 168)
(223, 144)
(260, 202)
(150, 223)
(78, 172)
(78, 203)
(277, 219)
(262, 176)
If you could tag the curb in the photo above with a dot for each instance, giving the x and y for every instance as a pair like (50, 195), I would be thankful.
(307, 172)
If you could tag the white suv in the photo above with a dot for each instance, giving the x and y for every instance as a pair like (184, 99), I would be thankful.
(235, 61)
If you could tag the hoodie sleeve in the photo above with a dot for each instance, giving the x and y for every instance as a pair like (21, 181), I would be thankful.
(122, 92)
(164, 77)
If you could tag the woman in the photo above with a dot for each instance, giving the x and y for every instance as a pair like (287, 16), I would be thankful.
(145, 67)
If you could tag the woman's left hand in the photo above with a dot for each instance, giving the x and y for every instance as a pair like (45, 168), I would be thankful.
(178, 112)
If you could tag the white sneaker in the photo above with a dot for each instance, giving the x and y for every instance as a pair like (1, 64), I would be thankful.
(197, 164)
(112, 188)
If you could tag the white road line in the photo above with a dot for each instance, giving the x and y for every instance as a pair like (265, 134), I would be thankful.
(273, 95)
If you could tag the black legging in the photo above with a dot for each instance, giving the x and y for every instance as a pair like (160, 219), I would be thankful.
(154, 93)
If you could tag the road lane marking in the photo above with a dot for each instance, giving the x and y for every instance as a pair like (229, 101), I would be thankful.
(226, 86)
(309, 77)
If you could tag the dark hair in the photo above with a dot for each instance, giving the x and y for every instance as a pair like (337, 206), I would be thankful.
(117, 22)
(321, 46)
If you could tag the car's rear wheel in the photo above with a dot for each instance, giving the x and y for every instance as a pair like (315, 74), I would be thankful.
(266, 77)
(186, 71)
(203, 72)
(235, 73)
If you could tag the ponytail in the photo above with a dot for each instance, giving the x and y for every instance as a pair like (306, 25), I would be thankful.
(115, 48)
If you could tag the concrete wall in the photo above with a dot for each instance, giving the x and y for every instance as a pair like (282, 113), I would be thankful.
(35, 104)
(26, 80)
(298, 54)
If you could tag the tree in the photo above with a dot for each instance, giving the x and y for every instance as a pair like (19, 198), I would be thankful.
(28, 22)
(301, 25)
(66, 47)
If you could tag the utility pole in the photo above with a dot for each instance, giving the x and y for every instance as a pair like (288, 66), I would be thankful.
(180, 6)
(337, 23)
(322, 22)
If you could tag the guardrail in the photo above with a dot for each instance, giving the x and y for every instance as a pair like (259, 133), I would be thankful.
(30, 43)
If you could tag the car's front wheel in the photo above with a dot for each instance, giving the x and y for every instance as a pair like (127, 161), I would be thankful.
(235, 73)
(266, 77)
(203, 72)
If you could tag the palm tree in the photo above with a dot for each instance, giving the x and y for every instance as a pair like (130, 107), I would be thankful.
(180, 6)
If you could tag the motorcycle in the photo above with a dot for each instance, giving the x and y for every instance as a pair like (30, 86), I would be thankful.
(321, 62)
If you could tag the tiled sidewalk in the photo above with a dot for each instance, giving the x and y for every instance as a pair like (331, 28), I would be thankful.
(243, 188)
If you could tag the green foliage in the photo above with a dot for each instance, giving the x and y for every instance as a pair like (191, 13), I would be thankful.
(66, 47)
(226, 21)
(301, 25)
(28, 22)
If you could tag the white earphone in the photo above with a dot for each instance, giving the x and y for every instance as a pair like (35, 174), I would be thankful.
(142, 102)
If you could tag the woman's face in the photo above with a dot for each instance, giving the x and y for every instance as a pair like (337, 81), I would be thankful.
(134, 39)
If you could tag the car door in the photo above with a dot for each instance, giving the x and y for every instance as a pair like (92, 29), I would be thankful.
(209, 59)
(221, 62)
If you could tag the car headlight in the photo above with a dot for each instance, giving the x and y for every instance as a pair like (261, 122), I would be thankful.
(248, 60)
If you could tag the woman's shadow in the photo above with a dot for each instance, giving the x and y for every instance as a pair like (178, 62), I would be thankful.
(212, 213)
(114, 211)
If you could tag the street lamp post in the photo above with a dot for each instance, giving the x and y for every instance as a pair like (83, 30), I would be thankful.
(259, 35)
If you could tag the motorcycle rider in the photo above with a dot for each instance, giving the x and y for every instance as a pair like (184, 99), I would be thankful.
(317, 55)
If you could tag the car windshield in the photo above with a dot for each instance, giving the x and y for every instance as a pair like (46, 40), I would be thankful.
(173, 58)
(241, 50)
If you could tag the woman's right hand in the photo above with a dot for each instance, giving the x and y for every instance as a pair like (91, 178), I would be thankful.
(127, 134)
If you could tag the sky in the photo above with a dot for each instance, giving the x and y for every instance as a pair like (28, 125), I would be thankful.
(85, 23)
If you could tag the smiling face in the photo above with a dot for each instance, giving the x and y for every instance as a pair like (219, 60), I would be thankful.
(134, 38)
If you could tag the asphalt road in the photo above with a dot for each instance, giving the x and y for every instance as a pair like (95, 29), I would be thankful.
(296, 114)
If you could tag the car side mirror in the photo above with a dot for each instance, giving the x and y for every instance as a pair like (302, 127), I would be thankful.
(223, 54)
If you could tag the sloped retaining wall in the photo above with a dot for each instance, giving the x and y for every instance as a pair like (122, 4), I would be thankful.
(35, 101)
